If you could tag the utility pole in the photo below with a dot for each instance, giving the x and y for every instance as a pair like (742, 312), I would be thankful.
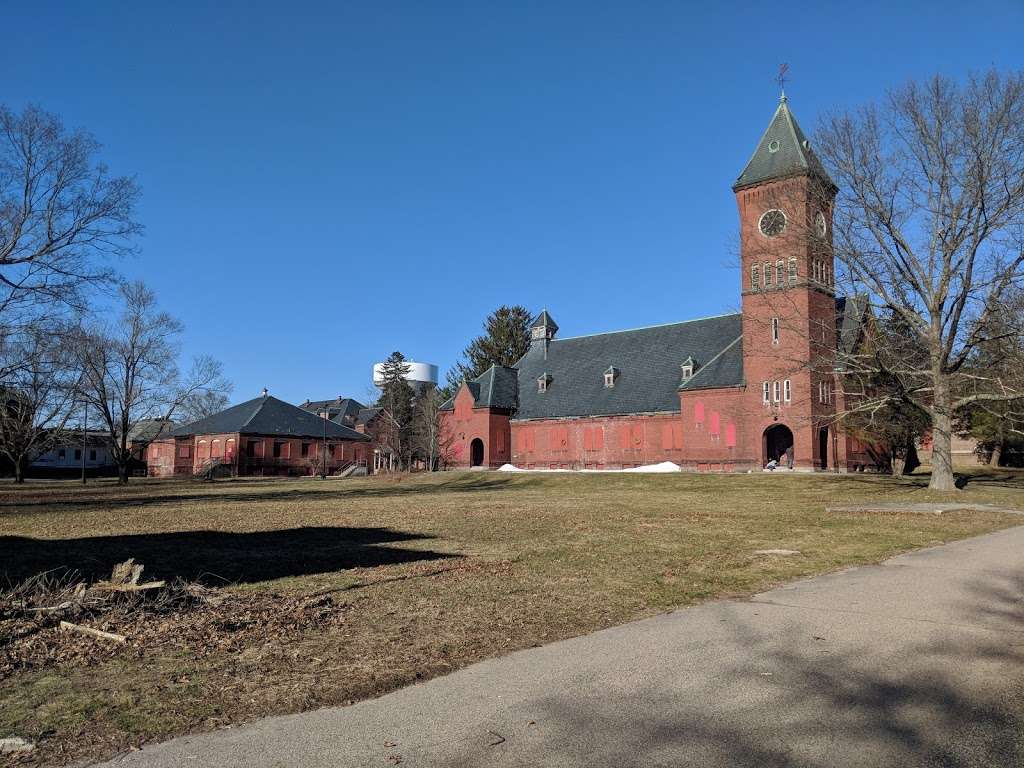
(85, 438)
(323, 467)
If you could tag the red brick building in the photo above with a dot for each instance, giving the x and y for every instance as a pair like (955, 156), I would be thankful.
(375, 422)
(720, 393)
(262, 436)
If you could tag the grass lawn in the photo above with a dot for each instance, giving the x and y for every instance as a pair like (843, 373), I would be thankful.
(424, 575)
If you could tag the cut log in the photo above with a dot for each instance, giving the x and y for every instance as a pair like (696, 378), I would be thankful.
(67, 626)
(111, 587)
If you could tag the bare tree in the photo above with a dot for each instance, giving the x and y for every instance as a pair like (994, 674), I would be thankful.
(928, 223)
(61, 214)
(203, 402)
(130, 370)
(37, 398)
(431, 440)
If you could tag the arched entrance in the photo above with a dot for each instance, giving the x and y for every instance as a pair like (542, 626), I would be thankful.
(476, 452)
(777, 438)
(823, 447)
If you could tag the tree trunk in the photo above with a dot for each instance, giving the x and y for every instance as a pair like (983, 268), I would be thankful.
(942, 435)
(122, 474)
(19, 472)
(997, 454)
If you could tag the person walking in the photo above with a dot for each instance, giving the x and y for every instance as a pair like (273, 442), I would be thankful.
(789, 457)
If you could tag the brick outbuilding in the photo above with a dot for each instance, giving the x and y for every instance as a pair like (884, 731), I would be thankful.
(262, 436)
(721, 393)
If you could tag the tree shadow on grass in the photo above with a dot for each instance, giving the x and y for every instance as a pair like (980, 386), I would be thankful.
(261, 491)
(214, 557)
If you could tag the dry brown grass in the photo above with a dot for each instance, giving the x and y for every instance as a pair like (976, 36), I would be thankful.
(426, 574)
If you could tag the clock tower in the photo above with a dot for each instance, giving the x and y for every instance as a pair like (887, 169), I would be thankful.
(785, 201)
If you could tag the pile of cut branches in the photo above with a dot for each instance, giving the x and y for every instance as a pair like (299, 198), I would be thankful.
(56, 618)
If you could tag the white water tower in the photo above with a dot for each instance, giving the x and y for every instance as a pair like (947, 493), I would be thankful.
(420, 375)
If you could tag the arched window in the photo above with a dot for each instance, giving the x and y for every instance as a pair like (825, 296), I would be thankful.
(792, 271)
(767, 274)
(780, 273)
(755, 277)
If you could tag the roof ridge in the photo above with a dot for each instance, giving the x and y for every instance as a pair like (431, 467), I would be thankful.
(646, 327)
(707, 365)
(263, 401)
(490, 388)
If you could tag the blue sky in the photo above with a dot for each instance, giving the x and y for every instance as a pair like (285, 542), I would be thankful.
(326, 183)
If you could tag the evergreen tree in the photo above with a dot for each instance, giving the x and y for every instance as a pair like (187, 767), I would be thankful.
(396, 398)
(506, 338)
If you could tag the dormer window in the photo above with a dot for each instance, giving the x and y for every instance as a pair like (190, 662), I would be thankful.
(688, 366)
(542, 383)
(610, 376)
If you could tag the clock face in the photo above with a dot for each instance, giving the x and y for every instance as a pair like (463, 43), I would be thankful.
(820, 224)
(772, 223)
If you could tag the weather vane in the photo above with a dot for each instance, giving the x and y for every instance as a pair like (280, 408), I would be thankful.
(781, 78)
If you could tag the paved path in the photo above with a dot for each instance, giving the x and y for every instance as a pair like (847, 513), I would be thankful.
(916, 662)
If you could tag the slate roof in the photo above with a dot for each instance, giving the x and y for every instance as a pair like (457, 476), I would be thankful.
(851, 312)
(649, 360)
(366, 415)
(268, 416)
(147, 430)
(341, 409)
(497, 387)
(544, 319)
(723, 370)
(793, 154)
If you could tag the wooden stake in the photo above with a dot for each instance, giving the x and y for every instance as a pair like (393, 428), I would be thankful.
(67, 626)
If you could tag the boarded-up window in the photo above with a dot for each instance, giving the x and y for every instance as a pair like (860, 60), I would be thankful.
(715, 423)
(698, 414)
(730, 435)
(230, 448)
(531, 442)
(588, 439)
(499, 443)
(638, 435)
(677, 435)
(666, 436)
(598, 438)
(624, 436)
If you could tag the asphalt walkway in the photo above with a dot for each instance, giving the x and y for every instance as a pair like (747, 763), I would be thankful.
(915, 662)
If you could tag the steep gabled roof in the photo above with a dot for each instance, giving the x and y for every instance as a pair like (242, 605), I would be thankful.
(366, 415)
(783, 151)
(497, 387)
(648, 359)
(269, 416)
